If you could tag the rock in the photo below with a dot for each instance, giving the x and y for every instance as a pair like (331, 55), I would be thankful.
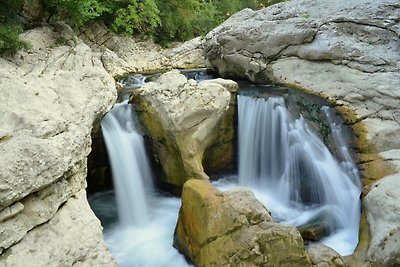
(220, 155)
(323, 256)
(360, 34)
(233, 229)
(32, 10)
(319, 226)
(123, 54)
(382, 204)
(181, 117)
(50, 98)
(73, 237)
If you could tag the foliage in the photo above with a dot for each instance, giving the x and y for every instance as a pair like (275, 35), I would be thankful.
(10, 26)
(75, 12)
(9, 40)
(133, 16)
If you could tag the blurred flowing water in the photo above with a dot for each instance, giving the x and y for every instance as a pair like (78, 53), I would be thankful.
(294, 174)
(143, 233)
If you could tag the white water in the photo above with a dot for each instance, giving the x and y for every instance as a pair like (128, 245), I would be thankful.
(144, 233)
(293, 173)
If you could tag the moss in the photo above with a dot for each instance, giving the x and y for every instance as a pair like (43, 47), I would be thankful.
(164, 151)
(220, 154)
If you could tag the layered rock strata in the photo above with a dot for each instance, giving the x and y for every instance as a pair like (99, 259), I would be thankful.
(346, 51)
(233, 229)
(121, 55)
(49, 99)
(181, 118)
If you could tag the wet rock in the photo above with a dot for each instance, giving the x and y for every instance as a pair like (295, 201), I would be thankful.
(233, 229)
(181, 118)
(323, 256)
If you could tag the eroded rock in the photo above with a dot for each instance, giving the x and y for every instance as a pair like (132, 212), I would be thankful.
(181, 118)
(73, 237)
(323, 256)
(123, 54)
(382, 204)
(233, 229)
(49, 99)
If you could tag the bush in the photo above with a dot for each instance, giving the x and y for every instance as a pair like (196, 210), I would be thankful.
(9, 40)
(11, 24)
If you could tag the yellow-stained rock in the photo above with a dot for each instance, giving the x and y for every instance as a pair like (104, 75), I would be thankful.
(233, 229)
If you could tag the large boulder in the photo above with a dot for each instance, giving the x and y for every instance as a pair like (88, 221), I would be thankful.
(181, 118)
(345, 51)
(382, 204)
(49, 99)
(233, 229)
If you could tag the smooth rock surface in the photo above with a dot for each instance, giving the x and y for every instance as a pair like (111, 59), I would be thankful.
(180, 116)
(233, 229)
(50, 97)
(323, 256)
(382, 204)
(73, 237)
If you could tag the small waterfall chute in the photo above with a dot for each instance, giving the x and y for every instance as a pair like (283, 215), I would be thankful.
(146, 219)
(132, 181)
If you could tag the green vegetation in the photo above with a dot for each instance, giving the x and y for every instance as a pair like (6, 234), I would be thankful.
(10, 26)
(163, 20)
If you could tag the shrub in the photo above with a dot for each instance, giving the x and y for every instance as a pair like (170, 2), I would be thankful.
(9, 40)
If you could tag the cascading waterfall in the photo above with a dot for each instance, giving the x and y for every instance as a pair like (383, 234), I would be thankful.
(125, 145)
(144, 233)
(294, 173)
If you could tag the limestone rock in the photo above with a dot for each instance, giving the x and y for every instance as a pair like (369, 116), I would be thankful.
(122, 54)
(220, 155)
(382, 204)
(181, 117)
(323, 256)
(362, 34)
(73, 237)
(233, 229)
(50, 97)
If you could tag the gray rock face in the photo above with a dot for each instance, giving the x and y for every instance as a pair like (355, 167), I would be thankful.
(361, 34)
(49, 100)
(346, 51)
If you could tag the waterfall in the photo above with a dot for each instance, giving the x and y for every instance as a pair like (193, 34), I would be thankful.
(146, 220)
(130, 168)
(294, 173)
